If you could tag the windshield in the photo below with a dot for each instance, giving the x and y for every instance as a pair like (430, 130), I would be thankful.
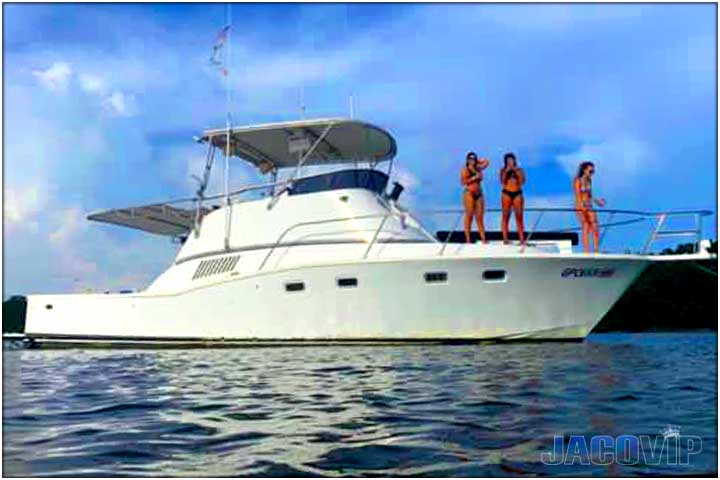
(373, 180)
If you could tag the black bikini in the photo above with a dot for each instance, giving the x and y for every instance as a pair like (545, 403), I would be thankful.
(512, 195)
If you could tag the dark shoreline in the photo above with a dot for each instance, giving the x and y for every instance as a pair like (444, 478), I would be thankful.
(672, 296)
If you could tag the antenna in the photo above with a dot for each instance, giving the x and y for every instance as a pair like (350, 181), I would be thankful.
(352, 107)
(228, 117)
(228, 123)
(302, 101)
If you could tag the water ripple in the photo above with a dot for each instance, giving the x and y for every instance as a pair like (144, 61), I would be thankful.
(488, 410)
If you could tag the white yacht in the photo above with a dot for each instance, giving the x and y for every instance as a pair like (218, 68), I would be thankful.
(333, 258)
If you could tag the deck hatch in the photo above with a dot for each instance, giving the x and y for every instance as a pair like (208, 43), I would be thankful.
(215, 266)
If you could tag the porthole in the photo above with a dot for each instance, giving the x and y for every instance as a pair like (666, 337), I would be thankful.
(347, 282)
(294, 286)
(436, 277)
(494, 275)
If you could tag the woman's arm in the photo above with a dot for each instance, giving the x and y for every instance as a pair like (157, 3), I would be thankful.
(466, 179)
(521, 176)
(578, 195)
(483, 163)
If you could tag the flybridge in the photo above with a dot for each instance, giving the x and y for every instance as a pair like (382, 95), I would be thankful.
(305, 142)
(270, 147)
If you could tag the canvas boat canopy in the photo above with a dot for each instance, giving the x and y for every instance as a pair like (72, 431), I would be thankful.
(282, 145)
(159, 219)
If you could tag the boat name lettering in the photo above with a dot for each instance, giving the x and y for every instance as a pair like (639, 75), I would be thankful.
(588, 272)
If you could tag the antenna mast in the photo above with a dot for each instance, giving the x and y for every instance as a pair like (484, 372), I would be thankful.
(228, 124)
(228, 117)
(302, 101)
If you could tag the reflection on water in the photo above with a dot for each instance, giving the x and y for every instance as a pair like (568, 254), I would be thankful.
(387, 410)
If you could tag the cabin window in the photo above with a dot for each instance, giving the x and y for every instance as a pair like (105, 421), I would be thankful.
(494, 275)
(294, 286)
(348, 282)
(436, 277)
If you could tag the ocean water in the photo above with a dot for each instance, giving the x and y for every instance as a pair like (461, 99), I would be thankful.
(358, 411)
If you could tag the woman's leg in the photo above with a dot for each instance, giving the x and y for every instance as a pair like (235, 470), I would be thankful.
(506, 205)
(595, 230)
(480, 217)
(585, 231)
(519, 207)
(469, 203)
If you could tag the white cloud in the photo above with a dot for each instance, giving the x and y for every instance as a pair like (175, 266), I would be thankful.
(74, 265)
(121, 104)
(618, 161)
(56, 78)
(22, 207)
(407, 179)
(22, 204)
(65, 241)
(92, 84)
(70, 222)
(411, 183)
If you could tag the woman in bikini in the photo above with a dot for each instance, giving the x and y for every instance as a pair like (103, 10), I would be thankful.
(470, 177)
(582, 185)
(512, 179)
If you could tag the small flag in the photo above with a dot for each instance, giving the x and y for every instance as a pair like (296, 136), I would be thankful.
(222, 35)
(217, 59)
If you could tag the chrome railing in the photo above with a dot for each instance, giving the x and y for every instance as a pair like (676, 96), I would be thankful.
(383, 220)
(660, 218)
(606, 217)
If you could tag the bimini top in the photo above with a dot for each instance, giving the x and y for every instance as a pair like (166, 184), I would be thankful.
(158, 219)
(328, 141)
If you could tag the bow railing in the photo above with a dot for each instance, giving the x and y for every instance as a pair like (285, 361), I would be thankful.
(659, 220)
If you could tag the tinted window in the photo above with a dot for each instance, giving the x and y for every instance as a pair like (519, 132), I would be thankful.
(368, 179)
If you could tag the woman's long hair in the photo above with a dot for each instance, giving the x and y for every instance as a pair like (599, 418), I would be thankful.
(471, 157)
(582, 168)
(507, 157)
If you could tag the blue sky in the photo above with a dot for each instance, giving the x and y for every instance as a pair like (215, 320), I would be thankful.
(101, 103)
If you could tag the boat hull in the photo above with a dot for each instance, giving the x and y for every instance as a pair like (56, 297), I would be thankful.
(539, 298)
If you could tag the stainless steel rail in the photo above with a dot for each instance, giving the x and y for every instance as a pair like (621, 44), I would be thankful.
(660, 217)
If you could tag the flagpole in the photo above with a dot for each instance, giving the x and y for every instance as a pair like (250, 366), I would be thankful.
(228, 119)
(228, 122)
